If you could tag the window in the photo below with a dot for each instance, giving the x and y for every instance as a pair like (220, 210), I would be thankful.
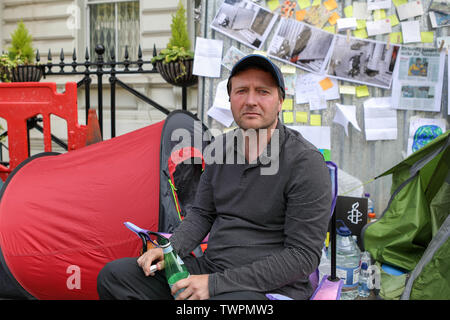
(114, 24)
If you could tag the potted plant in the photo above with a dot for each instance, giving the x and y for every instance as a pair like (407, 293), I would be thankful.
(18, 65)
(176, 61)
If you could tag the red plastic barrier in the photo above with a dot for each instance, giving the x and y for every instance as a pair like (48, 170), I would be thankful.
(23, 100)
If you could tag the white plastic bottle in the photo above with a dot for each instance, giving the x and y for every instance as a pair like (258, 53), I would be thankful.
(325, 265)
(363, 288)
(371, 217)
(347, 262)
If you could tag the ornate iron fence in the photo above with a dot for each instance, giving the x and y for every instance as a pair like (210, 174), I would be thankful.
(102, 67)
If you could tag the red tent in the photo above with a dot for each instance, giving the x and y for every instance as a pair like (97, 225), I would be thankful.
(61, 216)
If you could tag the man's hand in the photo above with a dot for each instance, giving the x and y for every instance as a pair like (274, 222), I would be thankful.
(196, 288)
(148, 258)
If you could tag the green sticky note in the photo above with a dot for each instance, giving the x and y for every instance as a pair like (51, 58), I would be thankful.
(379, 14)
(427, 36)
(288, 104)
(330, 29)
(326, 154)
(316, 3)
(399, 2)
(362, 91)
(273, 4)
(396, 37)
(348, 11)
(288, 117)
(301, 116)
(315, 120)
(303, 4)
(361, 33)
(394, 20)
(360, 24)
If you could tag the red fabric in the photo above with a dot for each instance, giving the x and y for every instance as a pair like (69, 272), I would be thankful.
(67, 211)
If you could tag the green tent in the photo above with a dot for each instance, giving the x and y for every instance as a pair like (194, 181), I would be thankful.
(413, 232)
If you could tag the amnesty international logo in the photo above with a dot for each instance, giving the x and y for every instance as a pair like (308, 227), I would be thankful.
(354, 215)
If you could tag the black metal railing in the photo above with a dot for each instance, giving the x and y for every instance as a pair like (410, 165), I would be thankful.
(101, 67)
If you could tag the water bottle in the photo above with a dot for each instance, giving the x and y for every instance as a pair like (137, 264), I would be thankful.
(347, 262)
(363, 288)
(173, 265)
(370, 209)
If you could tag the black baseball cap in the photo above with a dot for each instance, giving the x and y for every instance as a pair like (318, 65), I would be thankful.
(261, 62)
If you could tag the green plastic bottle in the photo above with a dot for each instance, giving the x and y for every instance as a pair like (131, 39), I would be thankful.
(173, 266)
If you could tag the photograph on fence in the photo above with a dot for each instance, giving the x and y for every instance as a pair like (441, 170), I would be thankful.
(363, 61)
(418, 79)
(301, 45)
(244, 21)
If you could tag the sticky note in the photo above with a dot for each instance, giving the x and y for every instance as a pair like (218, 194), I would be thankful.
(362, 91)
(330, 4)
(288, 117)
(394, 20)
(344, 89)
(333, 18)
(315, 120)
(301, 116)
(379, 14)
(396, 37)
(303, 4)
(348, 11)
(287, 68)
(427, 36)
(399, 2)
(360, 24)
(262, 53)
(300, 15)
(326, 84)
(316, 3)
(361, 33)
(330, 29)
(288, 104)
(273, 4)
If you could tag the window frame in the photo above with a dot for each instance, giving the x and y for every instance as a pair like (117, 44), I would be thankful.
(88, 3)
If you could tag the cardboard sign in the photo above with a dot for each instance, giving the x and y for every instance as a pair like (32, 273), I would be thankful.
(353, 212)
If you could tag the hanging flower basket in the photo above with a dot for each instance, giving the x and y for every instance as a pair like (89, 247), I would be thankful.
(177, 73)
(27, 73)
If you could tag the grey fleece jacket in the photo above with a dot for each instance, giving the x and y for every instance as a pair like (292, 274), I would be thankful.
(266, 231)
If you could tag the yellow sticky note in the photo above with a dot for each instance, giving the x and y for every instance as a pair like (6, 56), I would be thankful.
(288, 104)
(301, 116)
(333, 18)
(330, 4)
(343, 89)
(315, 120)
(396, 37)
(330, 29)
(399, 2)
(361, 33)
(427, 36)
(273, 4)
(394, 20)
(287, 68)
(303, 4)
(360, 24)
(300, 15)
(262, 53)
(326, 84)
(316, 3)
(379, 14)
(362, 91)
(348, 11)
(288, 117)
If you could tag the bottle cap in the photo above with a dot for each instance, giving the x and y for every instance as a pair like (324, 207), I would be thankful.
(367, 195)
(343, 231)
(371, 215)
(364, 265)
